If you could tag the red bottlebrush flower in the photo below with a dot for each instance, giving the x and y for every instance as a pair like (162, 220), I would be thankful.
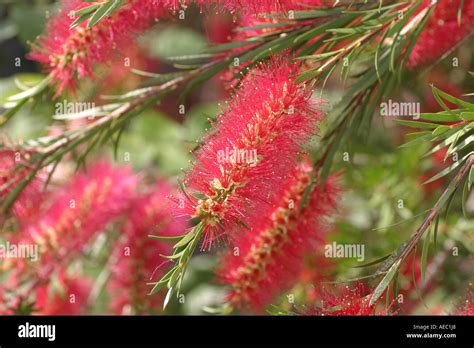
(316, 269)
(70, 54)
(247, 20)
(442, 31)
(138, 258)
(351, 302)
(68, 295)
(9, 299)
(116, 77)
(255, 143)
(269, 257)
(13, 171)
(80, 210)
(468, 309)
(255, 7)
(219, 28)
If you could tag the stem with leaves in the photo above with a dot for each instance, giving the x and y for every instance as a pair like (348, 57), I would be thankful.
(433, 213)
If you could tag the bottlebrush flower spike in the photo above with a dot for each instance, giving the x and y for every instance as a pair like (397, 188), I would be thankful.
(70, 54)
(350, 302)
(442, 31)
(13, 171)
(251, 7)
(68, 296)
(468, 309)
(138, 258)
(268, 258)
(316, 269)
(80, 210)
(255, 143)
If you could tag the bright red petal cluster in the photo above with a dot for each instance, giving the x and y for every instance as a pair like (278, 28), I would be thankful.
(468, 308)
(70, 54)
(442, 32)
(81, 210)
(253, 147)
(269, 258)
(68, 297)
(13, 171)
(137, 257)
(351, 302)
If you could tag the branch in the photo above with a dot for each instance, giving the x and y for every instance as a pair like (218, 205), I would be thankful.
(437, 207)
(395, 263)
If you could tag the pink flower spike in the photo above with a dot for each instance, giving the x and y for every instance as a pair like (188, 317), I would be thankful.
(81, 210)
(68, 297)
(442, 31)
(351, 302)
(139, 258)
(269, 258)
(254, 145)
(13, 172)
(70, 54)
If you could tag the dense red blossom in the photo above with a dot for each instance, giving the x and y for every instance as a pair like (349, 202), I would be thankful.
(138, 258)
(62, 230)
(70, 54)
(254, 7)
(67, 296)
(316, 269)
(442, 31)
(352, 302)
(80, 210)
(15, 170)
(268, 258)
(251, 21)
(468, 309)
(251, 150)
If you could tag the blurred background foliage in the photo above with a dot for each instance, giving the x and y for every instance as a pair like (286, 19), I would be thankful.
(384, 198)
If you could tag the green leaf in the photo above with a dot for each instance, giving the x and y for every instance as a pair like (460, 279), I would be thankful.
(424, 253)
(86, 10)
(465, 193)
(440, 130)
(468, 115)
(104, 10)
(167, 239)
(9, 113)
(418, 124)
(374, 262)
(435, 232)
(79, 20)
(420, 139)
(232, 45)
(187, 238)
(174, 256)
(444, 172)
(440, 117)
(439, 93)
(167, 298)
(471, 177)
(384, 283)
(33, 91)
(461, 145)
(266, 26)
